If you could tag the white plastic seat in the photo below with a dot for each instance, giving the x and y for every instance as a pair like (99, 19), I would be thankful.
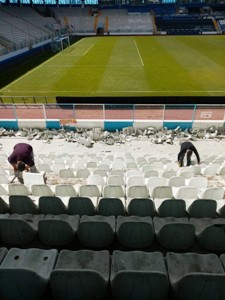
(210, 170)
(152, 182)
(221, 171)
(82, 173)
(56, 167)
(118, 165)
(44, 168)
(4, 179)
(135, 180)
(33, 178)
(91, 191)
(18, 189)
(197, 181)
(66, 173)
(162, 192)
(116, 180)
(96, 179)
(38, 190)
(113, 191)
(91, 164)
(185, 192)
(176, 181)
(197, 169)
(65, 191)
(186, 174)
(117, 172)
(151, 173)
(215, 193)
(131, 165)
(133, 172)
(172, 166)
(168, 173)
(147, 167)
(158, 165)
(137, 191)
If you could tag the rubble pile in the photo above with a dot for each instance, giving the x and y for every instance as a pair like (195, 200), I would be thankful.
(88, 137)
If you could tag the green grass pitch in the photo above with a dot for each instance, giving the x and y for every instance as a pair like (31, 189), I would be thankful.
(130, 66)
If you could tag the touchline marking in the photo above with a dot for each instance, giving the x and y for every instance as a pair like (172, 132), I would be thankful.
(107, 92)
(139, 53)
(29, 72)
(88, 66)
(77, 54)
(88, 49)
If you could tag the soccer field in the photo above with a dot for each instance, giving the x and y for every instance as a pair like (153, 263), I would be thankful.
(130, 66)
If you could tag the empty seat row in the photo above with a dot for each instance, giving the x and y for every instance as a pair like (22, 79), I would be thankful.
(155, 191)
(99, 232)
(107, 206)
(97, 275)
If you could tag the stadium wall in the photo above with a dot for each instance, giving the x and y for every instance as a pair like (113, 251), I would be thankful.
(109, 125)
(110, 117)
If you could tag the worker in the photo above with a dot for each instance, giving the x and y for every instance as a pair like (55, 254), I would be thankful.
(187, 148)
(22, 159)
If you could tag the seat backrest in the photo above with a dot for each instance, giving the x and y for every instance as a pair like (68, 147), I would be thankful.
(135, 180)
(18, 189)
(65, 190)
(113, 191)
(176, 181)
(33, 178)
(96, 179)
(41, 190)
(116, 180)
(89, 190)
(215, 193)
(197, 181)
(162, 192)
(156, 181)
(137, 191)
(66, 173)
(186, 192)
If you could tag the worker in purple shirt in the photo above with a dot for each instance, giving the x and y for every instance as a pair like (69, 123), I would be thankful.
(187, 148)
(22, 159)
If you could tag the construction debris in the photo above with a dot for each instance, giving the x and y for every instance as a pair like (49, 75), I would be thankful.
(88, 137)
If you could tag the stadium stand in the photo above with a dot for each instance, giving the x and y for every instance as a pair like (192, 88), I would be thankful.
(109, 234)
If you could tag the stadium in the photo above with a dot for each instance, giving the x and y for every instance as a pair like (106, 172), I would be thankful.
(118, 219)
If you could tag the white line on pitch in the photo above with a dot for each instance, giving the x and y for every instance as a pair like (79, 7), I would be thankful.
(29, 72)
(88, 49)
(107, 92)
(139, 53)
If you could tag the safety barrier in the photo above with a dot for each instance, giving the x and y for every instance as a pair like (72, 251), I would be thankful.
(110, 116)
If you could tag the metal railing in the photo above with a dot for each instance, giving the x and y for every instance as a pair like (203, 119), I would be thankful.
(131, 112)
